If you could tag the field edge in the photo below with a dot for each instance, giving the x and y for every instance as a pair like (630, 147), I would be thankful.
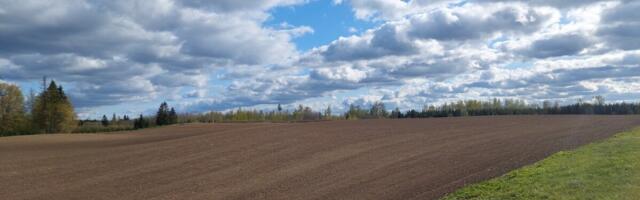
(606, 169)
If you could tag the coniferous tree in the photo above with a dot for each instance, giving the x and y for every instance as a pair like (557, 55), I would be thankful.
(173, 116)
(166, 116)
(53, 112)
(136, 123)
(162, 116)
(141, 122)
(104, 121)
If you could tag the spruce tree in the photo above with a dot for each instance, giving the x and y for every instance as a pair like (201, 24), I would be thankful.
(140, 123)
(53, 112)
(162, 116)
(104, 121)
(173, 116)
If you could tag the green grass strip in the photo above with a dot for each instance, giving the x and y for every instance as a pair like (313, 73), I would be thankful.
(604, 170)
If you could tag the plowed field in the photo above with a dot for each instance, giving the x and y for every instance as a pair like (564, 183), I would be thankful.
(364, 159)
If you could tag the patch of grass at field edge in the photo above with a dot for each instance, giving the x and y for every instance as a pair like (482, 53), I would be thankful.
(604, 170)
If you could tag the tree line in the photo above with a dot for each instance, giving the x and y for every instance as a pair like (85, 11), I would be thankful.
(300, 113)
(460, 108)
(104, 124)
(164, 116)
(519, 107)
(48, 112)
(51, 111)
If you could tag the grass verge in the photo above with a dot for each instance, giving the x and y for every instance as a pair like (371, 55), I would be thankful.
(604, 170)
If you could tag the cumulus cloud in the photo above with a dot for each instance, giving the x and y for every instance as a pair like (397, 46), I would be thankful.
(212, 55)
(373, 9)
(620, 26)
(558, 4)
(234, 6)
(471, 22)
(345, 73)
(170, 45)
(560, 45)
(532, 50)
(384, 41)
(410, 36)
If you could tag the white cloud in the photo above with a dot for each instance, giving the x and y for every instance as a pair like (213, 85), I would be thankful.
(420, 52)
(620, 26)
(171, 44)
(469, 51)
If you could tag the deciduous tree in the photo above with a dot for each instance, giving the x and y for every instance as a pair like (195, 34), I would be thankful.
(12, 118)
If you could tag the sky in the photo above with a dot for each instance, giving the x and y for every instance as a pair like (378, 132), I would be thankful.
(128, 56)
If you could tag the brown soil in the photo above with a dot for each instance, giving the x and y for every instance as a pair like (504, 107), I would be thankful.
(366, 159)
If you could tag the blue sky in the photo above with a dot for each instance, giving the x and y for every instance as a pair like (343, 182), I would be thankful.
(220, 55)
(327, 19)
